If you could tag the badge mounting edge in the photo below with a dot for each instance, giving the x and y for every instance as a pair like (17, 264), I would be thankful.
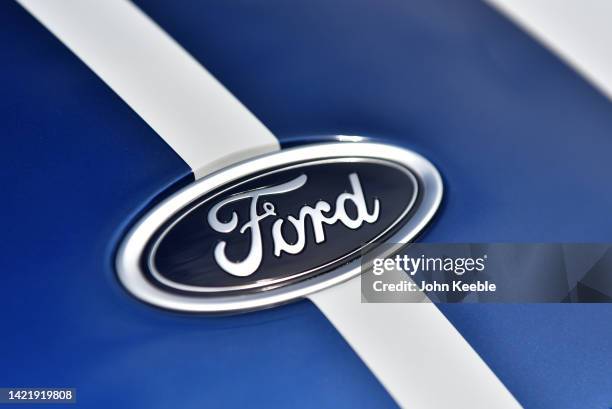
(129, 254)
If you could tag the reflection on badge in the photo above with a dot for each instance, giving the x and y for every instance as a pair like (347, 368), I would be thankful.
(277, 227)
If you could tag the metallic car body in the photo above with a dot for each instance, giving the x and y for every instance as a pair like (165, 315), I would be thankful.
(522, 142)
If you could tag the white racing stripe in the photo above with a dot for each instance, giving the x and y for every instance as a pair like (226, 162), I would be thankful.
(415, 352)
(579, 31)
(158, 79)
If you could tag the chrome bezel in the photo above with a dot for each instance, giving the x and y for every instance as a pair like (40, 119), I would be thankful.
(134, 245)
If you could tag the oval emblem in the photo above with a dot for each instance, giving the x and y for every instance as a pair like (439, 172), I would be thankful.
(277, 227)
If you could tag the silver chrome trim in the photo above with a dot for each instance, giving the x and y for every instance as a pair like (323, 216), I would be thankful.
(132, 248)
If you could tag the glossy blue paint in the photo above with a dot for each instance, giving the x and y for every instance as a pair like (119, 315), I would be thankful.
(522, 142)
(77, 166)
